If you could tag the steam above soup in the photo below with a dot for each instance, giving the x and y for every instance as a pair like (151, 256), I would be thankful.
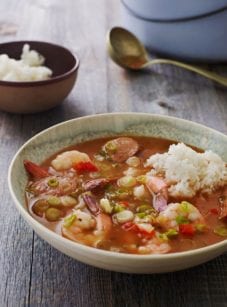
(131, 194)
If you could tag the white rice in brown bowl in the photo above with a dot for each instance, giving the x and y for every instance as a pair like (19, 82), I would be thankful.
(186, 171)
(30, 67)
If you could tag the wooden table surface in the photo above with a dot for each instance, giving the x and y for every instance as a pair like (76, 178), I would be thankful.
(32, 273)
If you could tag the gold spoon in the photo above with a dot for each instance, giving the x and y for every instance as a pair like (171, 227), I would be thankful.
(127, 51)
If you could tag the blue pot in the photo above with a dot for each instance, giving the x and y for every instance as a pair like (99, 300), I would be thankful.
(163, 10)
(200, 38)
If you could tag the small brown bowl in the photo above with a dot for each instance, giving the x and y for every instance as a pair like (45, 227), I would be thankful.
(36, 96)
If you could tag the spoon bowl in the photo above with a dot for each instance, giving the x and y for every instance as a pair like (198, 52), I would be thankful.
(127, 51)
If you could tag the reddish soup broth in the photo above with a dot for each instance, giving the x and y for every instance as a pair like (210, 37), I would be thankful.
(94, 203)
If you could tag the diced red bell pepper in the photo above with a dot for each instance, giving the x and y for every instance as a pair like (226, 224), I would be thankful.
(187, 229)
(124, 203)
(35, 170)
(85, 167)
(214, 211)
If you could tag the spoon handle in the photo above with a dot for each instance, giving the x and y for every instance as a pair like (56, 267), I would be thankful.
(205, 73)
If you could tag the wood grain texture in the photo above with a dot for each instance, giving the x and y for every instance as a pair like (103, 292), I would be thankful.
(32, 272)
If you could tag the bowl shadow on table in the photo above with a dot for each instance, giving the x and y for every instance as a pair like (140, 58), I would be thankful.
(31, 124)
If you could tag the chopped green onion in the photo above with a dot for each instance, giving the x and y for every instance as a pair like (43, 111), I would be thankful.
(119, 193)
(141, 179)
(201, 227)
(68, 221)
(106, 206)
(141, 215)
(181, 220)
(53, 214)
(94, 175)
(163, 236)
(185, 206)
(104, 154)
(124, 216)
(133, 161)
(53, 182)
(221, 231)
(127, 181)
(111, 147)
(68, 201)
(99, 157)
(123, 193)
(171, 233)
(76, 193)
(144, 208)
(54, 200)
(118, 208)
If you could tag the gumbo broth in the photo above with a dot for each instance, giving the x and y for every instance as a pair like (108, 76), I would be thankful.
(98, 193)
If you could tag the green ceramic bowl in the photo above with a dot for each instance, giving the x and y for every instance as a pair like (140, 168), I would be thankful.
(78, 130)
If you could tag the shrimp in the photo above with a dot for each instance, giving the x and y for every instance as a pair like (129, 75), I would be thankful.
(35, 170)
(54, 185)
(154, 246)
(48, 183)
(87, 229)
(179, 213)
(67, 159)
(158, 189)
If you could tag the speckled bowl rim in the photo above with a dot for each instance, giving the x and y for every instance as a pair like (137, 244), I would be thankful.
(54, 79)
(74, 245)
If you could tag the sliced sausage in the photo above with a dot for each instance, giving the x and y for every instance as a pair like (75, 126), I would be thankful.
(91, 203)
(95, 184)
(121, 149)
